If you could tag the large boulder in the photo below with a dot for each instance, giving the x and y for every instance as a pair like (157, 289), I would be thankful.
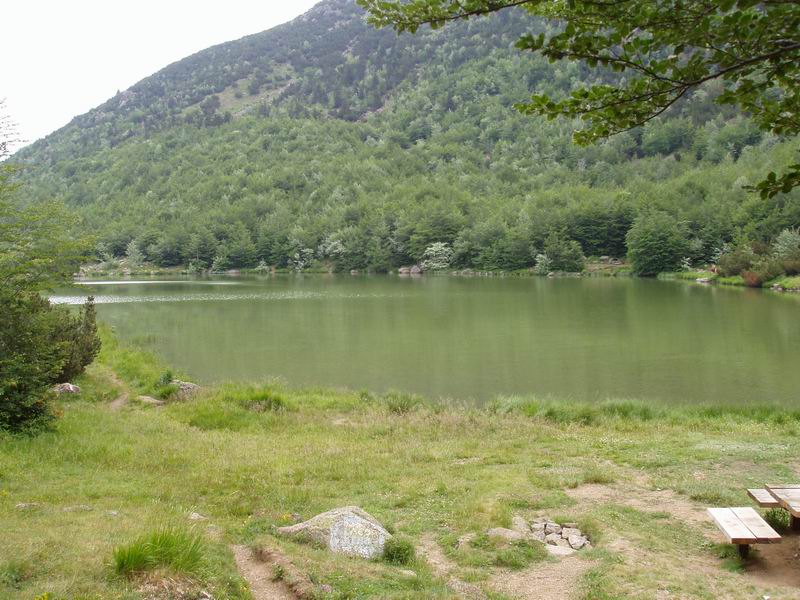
(347, 530)
(186, 389)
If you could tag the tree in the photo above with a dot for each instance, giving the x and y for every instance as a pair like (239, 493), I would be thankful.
(39, 343)
(437, 257)
(665, 48)
(562, 254)
(656, 244)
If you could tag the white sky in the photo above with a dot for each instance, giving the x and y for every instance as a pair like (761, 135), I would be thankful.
(61, 58)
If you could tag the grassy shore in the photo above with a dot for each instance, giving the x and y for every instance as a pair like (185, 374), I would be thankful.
(83, 503)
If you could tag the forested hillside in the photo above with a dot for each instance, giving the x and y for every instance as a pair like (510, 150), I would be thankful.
(327, 141)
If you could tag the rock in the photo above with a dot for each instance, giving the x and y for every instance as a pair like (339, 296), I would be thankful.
(112, 513)
(538, 527)
(27, 506)
(465, 540)
(508, 535)
(407, 573)
(539, 535)
(552, 528)
(563, 543)
(416, 270)
(66, 388)
(703, 280)
(519, 524)
(552, 538)
(355, 272)
(566, 532)
(465, 590)
(347, 530)
(150, 400)
(197, 517)
(77, 508)
(404, 271)
(540, 521)
(186, 389)
(560, 550)
(577, 541)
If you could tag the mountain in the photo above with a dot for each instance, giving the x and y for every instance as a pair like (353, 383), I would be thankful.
(325, 140)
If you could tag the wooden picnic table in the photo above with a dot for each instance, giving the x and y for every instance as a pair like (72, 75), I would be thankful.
(788, 497)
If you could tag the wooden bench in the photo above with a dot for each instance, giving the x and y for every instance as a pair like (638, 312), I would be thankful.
(743, 526)
(788, 498)
(763, 498)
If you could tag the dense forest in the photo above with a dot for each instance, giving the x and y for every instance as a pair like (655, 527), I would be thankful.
(328, 142)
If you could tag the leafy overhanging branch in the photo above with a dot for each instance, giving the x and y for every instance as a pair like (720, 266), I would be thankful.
(670, 47)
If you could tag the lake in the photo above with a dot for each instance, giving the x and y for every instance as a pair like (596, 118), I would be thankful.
(468, 338)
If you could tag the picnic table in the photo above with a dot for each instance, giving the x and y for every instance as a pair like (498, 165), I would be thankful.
(788, 498)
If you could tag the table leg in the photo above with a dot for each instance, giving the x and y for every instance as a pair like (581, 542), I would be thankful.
(794, 523)
(744, 550)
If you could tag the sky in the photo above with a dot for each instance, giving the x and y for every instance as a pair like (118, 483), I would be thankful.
(59, 59)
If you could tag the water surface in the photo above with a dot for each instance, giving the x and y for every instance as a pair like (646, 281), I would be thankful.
(469, 338)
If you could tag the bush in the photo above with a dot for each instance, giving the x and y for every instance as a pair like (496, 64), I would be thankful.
(735, 261)
(399, 551)
(82, 343)
(31, 359)
(176, 549)
(656, 243)
(563, 253)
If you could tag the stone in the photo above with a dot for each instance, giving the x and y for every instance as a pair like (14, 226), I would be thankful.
(465, 540)
(538, 527)
(27, 506)
(151, 401)
(508, 535)
(552, 538)
(577, 541)
(540, 521)
(404, 271)
(566, 532)
(66, 388)
(77, 508)
(563, 543)
(552, 528)
(559, 550)
(519, 524)
(186, 389)
(407, 573)
(703, 280)
(112, 513)
(538, 535)
(416, 270)
(347, 530)
(197, 517)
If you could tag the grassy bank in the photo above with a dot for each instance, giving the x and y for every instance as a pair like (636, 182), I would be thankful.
(99, 507)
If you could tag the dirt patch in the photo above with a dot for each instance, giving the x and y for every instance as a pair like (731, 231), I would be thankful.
(641, 499)
(772, 565)
(543, 581)
(259, 576)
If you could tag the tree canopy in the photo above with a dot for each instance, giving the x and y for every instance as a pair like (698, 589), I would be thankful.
(666, 48)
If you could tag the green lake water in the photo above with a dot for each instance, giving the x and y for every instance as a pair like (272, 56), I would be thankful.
(469, 338)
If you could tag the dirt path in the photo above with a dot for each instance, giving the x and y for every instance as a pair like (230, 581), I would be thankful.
(442, 566)
(124, 395)
(259, 577)
(543, 581)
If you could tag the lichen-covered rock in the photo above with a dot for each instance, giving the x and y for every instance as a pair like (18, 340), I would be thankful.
(347, 530)
(566, 532)
(552, 528)
(186, 389)
(577, 541)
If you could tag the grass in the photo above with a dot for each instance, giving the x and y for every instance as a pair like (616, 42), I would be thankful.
(175, 549)
(248, 457)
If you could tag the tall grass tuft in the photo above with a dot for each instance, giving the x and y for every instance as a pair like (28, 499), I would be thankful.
(172, 548)
(399, 403)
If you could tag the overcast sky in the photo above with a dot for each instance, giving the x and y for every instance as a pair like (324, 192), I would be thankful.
(59, 59)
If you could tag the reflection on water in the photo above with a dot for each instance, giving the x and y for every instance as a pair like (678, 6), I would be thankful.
(469, 338)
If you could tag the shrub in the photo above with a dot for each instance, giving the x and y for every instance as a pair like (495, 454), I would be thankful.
(733, 262)
(777, 518)
(81, 340)
(399, 551)
(172, 548)
(656, 243)
(30, 359)
(563, 253)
